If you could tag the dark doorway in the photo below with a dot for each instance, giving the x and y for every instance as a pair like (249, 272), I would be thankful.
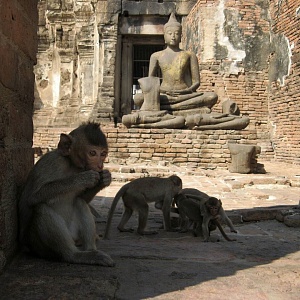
(136, 52)
(141, 59)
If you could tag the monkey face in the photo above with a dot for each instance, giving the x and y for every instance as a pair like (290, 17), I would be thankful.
(213, 210)
(95, 157)
(213, 205)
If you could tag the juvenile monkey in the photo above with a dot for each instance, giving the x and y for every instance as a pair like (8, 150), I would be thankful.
(212, 210)
(205, 211)
(137, 194)
(54, 211)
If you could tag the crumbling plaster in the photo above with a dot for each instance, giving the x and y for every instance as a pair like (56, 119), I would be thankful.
(80, 40)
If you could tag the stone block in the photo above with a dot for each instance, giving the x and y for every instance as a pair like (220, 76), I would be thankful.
(292, 220)
(259, 214)
(242, 157)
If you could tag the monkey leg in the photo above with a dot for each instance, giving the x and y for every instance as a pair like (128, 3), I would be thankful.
(159, 204)
(198, 228)
(143, 218)
(85, 224)
(183, 224)
(50, 238)
(125, 217)
(95, 213)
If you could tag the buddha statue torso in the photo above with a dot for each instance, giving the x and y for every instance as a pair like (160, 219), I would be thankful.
(174, 70)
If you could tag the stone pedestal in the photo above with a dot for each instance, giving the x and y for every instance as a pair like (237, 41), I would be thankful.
(243, 158)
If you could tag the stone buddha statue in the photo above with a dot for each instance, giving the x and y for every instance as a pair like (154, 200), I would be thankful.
(167, 105)
(180, 76)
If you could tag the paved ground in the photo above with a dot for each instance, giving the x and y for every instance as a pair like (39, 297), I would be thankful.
(264, 263)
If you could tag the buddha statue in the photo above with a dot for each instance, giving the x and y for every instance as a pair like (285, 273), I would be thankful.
(173, 101)
(180, 76)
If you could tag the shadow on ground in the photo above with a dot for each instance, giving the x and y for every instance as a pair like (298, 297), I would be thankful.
(262, 264)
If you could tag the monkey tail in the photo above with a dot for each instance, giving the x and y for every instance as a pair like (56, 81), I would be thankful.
(119, 194)
(216, 221)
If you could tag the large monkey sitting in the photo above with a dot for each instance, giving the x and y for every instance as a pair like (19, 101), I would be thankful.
(137, 194)
(53, 208)
(206, 212)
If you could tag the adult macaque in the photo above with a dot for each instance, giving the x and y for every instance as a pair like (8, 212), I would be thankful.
(137, 194)
(54, 210)
(205, 211)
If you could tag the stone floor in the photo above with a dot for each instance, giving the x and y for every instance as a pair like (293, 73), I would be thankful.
(264, 262)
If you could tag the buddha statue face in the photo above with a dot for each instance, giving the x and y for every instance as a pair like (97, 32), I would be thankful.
(172, 35)
(172, 31)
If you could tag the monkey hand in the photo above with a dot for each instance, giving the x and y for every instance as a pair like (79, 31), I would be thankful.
(233, 230)
(105, 178)
(89, 178)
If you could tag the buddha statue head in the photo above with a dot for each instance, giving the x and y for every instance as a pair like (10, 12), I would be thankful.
(172, 31)
(172, 22)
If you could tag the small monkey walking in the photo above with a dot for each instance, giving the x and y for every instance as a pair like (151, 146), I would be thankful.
(204, 211)
(53, 208)
(137, 194)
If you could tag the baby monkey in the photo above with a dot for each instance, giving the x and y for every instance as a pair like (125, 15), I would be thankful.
(204, 211)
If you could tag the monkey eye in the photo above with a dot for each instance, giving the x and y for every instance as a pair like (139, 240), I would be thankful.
(92, 153)
(103, 154)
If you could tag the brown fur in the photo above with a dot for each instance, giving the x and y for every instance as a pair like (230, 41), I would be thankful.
(53, 208)
(138, 193)
(205, 211)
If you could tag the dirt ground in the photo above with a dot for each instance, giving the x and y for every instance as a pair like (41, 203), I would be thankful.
(264, 262)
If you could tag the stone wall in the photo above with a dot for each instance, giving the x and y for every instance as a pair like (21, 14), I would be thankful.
(18, 47)
(284, 74)
(186, 148)
(231, 40)
(249, 52)
(76, 73)
(76, 61)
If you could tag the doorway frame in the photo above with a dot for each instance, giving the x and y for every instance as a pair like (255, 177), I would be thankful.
(124, 68)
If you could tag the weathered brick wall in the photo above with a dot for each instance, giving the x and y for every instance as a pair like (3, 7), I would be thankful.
(18, 23)
(205, 149)
(231, 40)
(265, 82)
(284, 102)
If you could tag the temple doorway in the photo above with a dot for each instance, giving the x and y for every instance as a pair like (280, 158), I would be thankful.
(135, 56)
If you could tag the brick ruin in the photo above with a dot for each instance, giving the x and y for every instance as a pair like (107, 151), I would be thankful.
(248, 52)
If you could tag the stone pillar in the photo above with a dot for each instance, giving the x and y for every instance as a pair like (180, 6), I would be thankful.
(243, 158)
(18, 48)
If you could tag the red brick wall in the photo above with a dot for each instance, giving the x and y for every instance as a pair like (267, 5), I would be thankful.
(284, 101)
(273, 107)
(18, 45)
(249, 87)
(205, 149)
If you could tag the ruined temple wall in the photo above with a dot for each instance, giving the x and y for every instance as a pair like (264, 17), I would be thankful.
(284, 97)
(231, 40)
(18, 47)
(185, 148)
(77, 66)
(265, 81)
(247, 51)
(76, 61)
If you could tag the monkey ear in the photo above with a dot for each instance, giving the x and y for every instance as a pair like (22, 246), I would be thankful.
(64, 144)
(220, 201)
